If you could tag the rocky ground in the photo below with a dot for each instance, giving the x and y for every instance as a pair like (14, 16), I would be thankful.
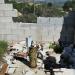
(22, 69)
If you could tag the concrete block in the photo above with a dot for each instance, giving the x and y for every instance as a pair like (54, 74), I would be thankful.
(1, 13)
(19, 31)
(8, 13)
(6, 7)
(1, 1)
(11, 13)
(43, 20)
(6, 19)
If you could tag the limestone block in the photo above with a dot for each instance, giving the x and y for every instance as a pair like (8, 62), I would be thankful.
(6, 19)
(11, 13)
(18, 31)
(43, 20)
(8, 13)
(6, 25)
(6, 7)
(1, 13)
(1, 1)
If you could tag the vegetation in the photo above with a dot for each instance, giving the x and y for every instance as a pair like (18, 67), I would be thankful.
(57, 48)
(3, 47)
(52, 45)
(29, 18)
(31, 11)
(68, 5)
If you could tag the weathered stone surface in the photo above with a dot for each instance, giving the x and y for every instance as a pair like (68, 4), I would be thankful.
(39, 32)
(6, 7)
(46, 29)
(8, 13)
(1, 1)
(5, 19)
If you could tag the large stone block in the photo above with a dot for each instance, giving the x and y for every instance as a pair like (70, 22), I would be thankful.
(8, 13)
(19, 31)
(12, 13)
(1, 13)
(6, 19)
(1, 1)
(6, 7)
(43, 20)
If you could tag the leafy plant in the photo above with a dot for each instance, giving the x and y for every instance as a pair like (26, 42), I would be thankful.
(3, 47)
(57, 48)
(51, 45)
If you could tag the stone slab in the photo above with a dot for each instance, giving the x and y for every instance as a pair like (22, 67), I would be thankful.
(8, 13)
(6, 19)
(6, 7)
(1, 1)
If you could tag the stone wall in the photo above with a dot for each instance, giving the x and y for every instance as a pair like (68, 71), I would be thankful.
(1, 1)
(7, 12)
(39, 32)
(46, 29)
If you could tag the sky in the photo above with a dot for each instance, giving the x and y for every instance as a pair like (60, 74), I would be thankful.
(53, 1)
(60, 2)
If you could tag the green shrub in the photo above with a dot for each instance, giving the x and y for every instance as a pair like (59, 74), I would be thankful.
(58, 49)
(3, 47)
(51, 45)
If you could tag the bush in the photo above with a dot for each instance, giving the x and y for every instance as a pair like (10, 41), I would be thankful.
(3, 47)
(26, 18)
(57, 48)
(52, 45)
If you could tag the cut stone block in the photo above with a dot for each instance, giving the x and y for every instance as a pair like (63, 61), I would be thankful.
(1, 1)
(7, 13)
(6, 19)
(6, 7)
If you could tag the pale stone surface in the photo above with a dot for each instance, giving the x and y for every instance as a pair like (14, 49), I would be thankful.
(46, 29)
(69, 72)
(6, 7)
(6, 19)
(1, 1)
(23, 69)
(43, 20)
(38, 32)
(8, 13)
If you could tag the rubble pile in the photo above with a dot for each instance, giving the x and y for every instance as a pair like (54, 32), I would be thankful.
(19, 50)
